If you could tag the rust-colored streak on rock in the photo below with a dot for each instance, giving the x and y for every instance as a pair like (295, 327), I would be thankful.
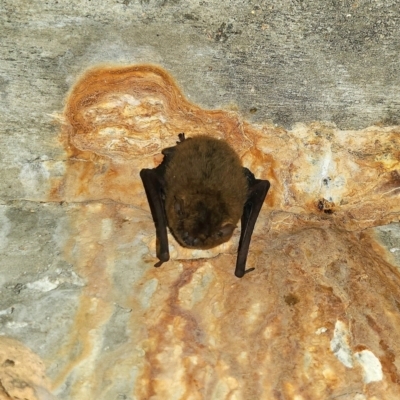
(242, 338)
(321, 293)
(389, 363)
(127, 112)
(94, 264)
(118, 119)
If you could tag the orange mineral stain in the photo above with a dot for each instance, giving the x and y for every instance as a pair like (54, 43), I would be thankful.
(190, 329)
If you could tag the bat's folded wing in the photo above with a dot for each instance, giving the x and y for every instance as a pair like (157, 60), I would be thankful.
(154, 187)
(258, 190)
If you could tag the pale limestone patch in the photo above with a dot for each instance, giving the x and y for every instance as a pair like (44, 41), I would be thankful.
(47, 284)
(43, 285)
(371, 366)
(340, 346)
(147, 292)
(34, 178)
(197, 288)
(106, 228)
(5, 227)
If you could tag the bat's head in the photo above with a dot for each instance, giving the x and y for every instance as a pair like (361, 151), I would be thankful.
(201, 221)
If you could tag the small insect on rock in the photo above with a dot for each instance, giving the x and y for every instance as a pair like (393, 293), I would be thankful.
(200, 191)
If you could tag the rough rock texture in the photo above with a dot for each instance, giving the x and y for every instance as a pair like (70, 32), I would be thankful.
(319, 316)
(22, 373)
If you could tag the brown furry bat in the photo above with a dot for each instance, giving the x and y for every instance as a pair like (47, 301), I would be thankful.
(200, 191)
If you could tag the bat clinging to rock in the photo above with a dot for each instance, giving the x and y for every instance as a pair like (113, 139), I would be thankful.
(200, 191)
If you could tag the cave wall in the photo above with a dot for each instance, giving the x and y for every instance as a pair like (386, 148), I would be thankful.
(306, 92)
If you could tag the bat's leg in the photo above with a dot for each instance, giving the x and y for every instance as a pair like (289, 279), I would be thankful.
(153, 183)
(258, 190)
(153, 186)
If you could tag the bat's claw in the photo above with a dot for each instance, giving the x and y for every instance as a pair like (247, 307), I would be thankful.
(181, 137)
(241, 274)
(249, 270)
(164, 257)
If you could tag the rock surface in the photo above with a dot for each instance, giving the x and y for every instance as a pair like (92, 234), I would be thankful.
(319, 316)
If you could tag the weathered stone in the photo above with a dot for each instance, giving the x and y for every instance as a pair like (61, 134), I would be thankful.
(319, 316)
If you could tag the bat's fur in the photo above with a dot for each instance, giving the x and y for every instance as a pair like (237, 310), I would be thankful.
(205, 191)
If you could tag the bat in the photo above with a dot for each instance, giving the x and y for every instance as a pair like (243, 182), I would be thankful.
(200, 191)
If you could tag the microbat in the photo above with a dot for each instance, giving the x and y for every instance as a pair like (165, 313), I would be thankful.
(200, 191)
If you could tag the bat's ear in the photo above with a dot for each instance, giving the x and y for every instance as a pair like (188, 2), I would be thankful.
(226, 229)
